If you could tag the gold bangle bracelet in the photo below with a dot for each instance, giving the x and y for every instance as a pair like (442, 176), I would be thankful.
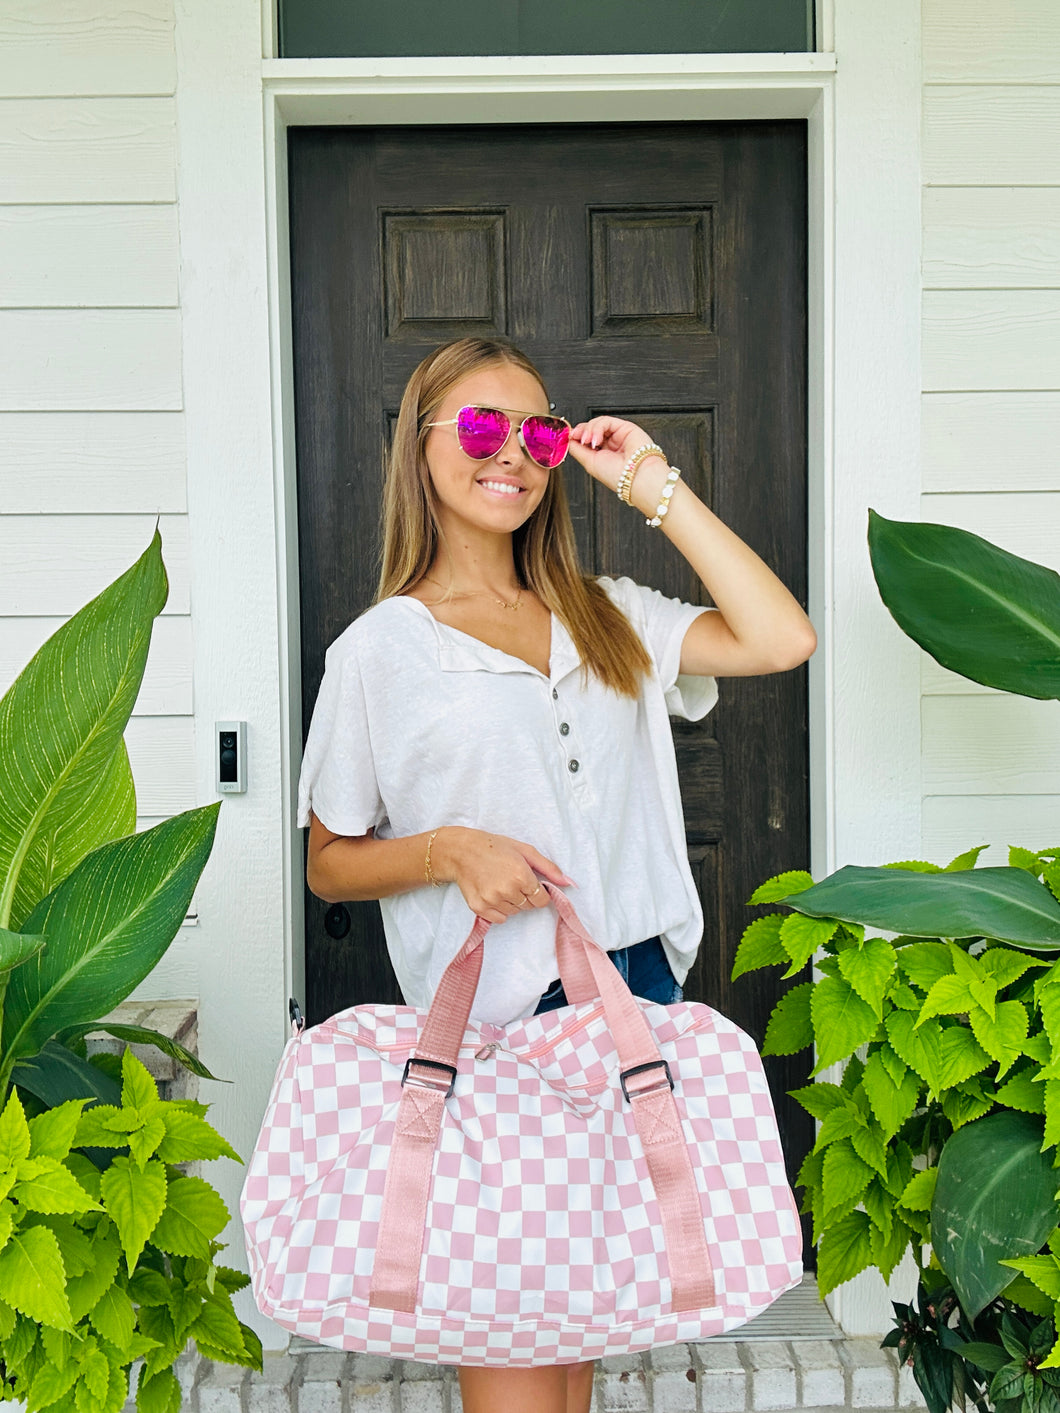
(625, 484)
(428, 873)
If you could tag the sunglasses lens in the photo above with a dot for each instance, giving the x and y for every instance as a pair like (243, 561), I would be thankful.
(546, 440)
(482, 431)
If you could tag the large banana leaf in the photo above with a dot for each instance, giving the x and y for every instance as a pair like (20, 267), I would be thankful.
(107, 926)
(57, 1074)
(977, 609)
(61, 792)
(141, 1035)
(64, 840)
(995, 1199)
(1006, 903)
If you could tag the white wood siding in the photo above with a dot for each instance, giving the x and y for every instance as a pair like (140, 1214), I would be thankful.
(92, 445)
(991, 378)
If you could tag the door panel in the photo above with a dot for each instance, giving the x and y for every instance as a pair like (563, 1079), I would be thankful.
(657, 272)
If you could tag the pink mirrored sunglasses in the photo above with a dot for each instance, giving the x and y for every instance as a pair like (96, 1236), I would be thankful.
(482, 431)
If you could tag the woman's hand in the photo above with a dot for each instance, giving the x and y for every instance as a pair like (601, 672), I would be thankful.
(603, 445)
(496, 875)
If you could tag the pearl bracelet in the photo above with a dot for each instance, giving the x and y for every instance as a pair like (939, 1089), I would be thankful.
(664, 503)
(625, 484)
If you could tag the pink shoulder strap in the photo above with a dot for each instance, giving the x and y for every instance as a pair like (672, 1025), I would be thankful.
(586, 973)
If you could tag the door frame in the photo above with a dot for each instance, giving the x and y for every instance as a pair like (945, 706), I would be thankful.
(861, 101)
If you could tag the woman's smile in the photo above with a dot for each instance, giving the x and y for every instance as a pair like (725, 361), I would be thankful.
(505, 486)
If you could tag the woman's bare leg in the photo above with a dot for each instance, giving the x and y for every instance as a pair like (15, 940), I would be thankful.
(560, 1388)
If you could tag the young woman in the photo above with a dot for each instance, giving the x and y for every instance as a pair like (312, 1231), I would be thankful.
(497, 718)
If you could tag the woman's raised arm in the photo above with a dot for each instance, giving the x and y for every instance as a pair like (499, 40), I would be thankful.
(760, 626)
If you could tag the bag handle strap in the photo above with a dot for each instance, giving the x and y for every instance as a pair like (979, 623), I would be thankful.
(646, 1082)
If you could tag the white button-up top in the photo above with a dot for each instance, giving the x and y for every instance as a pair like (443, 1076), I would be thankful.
(418, 725)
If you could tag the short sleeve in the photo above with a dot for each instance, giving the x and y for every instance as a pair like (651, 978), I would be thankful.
(662, 623)
(338, 777)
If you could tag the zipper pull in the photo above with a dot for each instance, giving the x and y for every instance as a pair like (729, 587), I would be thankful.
(487, 1051)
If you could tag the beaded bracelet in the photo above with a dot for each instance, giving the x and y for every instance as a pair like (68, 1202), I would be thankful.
(626, 482)
(427, 871)
(664, 503)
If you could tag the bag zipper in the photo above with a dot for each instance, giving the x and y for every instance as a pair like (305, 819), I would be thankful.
(485, 1051)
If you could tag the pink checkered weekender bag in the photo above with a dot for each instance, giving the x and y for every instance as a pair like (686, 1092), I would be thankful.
(596, 1180)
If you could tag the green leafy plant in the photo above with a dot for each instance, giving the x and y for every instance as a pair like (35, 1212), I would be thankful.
(87, 907)
(940, 1136)
(106, 1246)
(99, 1269)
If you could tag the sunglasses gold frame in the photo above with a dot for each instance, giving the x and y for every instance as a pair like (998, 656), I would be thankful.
(485, 407)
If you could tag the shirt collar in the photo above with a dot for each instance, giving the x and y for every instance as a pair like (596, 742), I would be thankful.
(459, 652)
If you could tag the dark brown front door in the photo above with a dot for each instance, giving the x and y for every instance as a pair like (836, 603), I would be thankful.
(658, 272)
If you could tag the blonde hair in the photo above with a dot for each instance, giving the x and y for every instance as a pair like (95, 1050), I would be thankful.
(546, 559)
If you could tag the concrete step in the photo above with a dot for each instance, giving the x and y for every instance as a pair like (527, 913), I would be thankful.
(733, 1376)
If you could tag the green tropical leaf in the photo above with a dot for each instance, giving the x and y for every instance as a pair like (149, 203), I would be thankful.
(218, 1329)
(977, 609)
(841, 1020)
(760, 945)
(995, 1198)
(18, 947)
(1024, 858)
(960, 1056)
(1003, 903)
(802, 936)
(143, 1035)
(51, 1134)
(52, 1383)
(782, 886)
(86, 1289)
(1005, 966)
(61, 726)
(57, 1075)
(870, 1147)
(819, 1099)
(920, 1190)
(968, 859)
(891, 1103)
(950, 996)
(194, 1214)
(160, 1394)
(134, 1201)
(32, 1277)
(109, 813)
(108, 924)
(114, 1317)
(1042, 1271)
(845, 1178)
(190, 1138)
(95, 1370)
(138, 1089)
(868, 969)
(924, 963)
(790, 1029)
(14, 1134)
(1022, 1093)
(1002, 1038)
(54, 1189)
(889, 1248)
(845, 1249)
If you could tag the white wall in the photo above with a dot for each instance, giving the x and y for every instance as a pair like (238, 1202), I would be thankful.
(991, 387)
(91, 398)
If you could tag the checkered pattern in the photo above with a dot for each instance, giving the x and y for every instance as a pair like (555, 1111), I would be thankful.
(544, 1242)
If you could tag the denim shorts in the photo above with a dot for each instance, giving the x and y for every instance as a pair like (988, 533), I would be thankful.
(643, 967)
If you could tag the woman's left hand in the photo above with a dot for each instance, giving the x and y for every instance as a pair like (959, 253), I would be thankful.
(603, 445)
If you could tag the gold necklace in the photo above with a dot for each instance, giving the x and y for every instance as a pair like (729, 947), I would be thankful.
(479, 594)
